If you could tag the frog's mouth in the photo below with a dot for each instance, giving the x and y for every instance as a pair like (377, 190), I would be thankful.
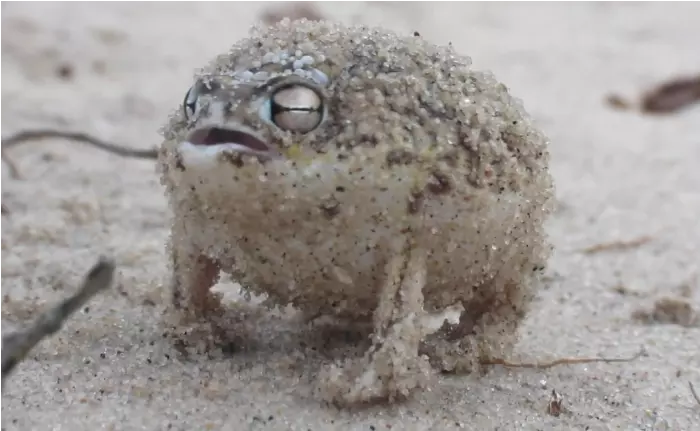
(205, 144)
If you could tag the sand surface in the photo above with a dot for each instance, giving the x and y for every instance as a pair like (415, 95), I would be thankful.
(620, 176)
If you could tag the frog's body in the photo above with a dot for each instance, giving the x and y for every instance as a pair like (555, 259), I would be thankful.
(352, 172)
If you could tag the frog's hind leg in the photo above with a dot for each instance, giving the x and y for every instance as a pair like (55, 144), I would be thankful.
(392, 367)
(487, 328)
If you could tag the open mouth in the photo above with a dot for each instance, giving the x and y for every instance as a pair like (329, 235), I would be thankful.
(204, 144)
(233, 139)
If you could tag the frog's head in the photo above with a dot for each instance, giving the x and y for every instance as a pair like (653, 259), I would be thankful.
(253, 113)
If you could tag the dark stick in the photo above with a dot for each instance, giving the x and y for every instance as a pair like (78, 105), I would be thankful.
(17, 345)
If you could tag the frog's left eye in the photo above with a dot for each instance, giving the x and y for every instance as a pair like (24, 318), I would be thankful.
(189, 105)
(295, 108)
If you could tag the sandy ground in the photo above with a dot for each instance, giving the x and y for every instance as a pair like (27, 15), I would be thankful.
(620, 176)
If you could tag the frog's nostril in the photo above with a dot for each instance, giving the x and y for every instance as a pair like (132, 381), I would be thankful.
(210, 136)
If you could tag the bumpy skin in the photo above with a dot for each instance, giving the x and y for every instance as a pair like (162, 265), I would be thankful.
(425, 187)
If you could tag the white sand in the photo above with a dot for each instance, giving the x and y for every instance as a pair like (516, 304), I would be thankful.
(620, 176)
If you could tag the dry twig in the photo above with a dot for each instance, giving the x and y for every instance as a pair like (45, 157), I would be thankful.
(39, 134)
(17, 345)
(562, 361)
(692, 391)
(617, 245)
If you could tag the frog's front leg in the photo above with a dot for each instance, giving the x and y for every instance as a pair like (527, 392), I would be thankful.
(193, 274)
(392, 367)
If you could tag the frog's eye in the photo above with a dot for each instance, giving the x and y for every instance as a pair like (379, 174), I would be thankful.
(189, 105)
(295, 108)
